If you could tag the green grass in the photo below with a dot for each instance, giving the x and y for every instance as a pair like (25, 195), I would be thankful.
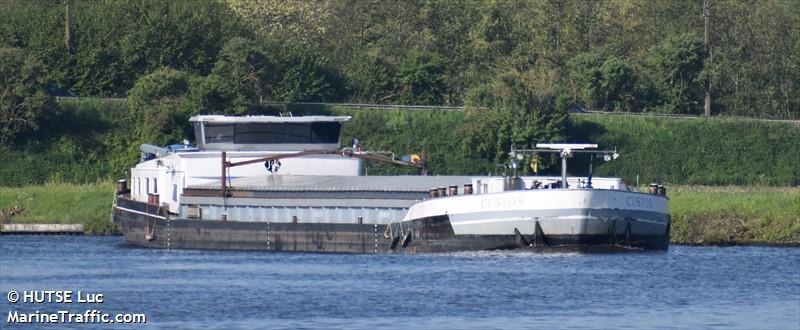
(62, 203)
(700, 215)
(735, 215)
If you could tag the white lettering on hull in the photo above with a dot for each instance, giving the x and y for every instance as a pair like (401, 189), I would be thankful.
(639, 202)
(505, 202)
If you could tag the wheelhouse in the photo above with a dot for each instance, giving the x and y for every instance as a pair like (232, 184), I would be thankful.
(267, 132)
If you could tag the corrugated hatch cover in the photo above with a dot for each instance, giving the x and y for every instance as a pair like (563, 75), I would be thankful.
(409, 183)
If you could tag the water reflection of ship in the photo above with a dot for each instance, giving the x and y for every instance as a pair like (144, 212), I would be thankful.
(283, 184)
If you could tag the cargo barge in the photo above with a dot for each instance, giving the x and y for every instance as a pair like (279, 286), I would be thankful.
(284, 184)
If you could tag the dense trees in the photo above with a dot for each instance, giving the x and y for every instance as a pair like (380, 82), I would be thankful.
(160, 103)
(23, 101)
(521, 117)
(530, 62)
(611, 55)
(116, 42)
(603, 82)
(420, 79)
(676, 72)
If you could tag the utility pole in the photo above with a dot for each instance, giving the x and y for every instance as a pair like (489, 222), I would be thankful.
(706, 14)
(67, 19)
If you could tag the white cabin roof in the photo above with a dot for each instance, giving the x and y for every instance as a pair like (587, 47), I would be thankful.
(266, 119)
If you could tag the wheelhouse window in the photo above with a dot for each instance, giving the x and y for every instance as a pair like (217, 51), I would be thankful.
(219, 133)
(272, 133)
(325, 132)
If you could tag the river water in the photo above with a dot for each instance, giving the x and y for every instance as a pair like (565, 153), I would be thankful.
(687, 287)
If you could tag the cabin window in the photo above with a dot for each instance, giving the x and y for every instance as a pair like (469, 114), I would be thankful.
(155, 186)
(218, 133)
(325, 132)
(198, 132)
(301, 133)
(175, 192)
(147, 185)
(270, 133)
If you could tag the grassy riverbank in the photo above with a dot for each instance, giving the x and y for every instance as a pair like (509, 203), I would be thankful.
(735, 215)
(700, 215)
(62, 203)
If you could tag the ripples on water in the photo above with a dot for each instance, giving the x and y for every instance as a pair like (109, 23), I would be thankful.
(687, 287)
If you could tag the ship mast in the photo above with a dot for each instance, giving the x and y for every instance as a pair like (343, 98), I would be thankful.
(566, 150)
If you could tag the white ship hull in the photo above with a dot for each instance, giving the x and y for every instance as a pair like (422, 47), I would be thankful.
(580, 217)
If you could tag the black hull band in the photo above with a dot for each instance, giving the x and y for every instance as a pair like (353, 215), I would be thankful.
(266, 236)
(145, 227)
(436, 235)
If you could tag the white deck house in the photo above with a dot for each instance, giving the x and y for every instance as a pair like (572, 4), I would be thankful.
(165, 172)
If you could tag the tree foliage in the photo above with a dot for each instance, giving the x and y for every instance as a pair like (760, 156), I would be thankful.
(242, 77)
(519, 117)
(23, 101)
(420, 79)
(613, 55)
(161, 104)
(306, 76)
(371, 80)
(528, 61)
(676, 68)
(293, 20)
(116, 42)
(603, 82)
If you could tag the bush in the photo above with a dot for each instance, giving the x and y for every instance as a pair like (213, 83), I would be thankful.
(92, 141)
(161, 105)
(692, 151)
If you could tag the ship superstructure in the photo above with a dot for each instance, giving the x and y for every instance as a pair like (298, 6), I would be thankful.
(284, 184)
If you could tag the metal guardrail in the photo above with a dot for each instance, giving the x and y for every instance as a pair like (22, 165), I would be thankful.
(374, 106)
(80, 98)
(288, 105)
(678, 116)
